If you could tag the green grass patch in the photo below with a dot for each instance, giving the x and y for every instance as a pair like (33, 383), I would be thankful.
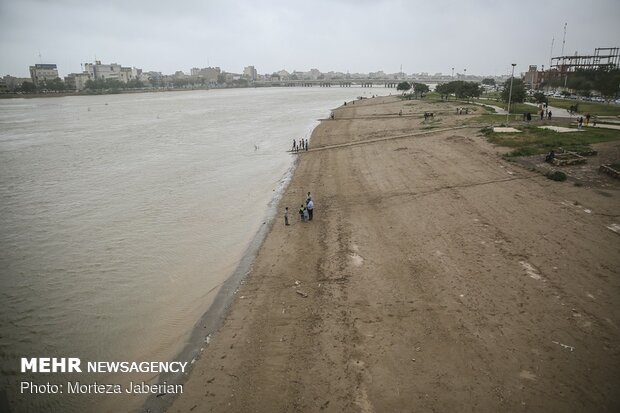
(594, 108)
(535, 141)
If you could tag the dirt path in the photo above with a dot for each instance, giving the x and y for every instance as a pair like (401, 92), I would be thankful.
(438, 278)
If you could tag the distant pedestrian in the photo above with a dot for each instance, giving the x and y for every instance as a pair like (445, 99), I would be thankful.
(310, 208)
(286, 216)
(308, 198)
(306, 145)
(549, 115)
(306, 214)
(294, 145)
(301, 144)
(542, 114)
(529, 116)
(302, 209)
(580, 122)
(400, 113)
(524, 116)
(587, 119)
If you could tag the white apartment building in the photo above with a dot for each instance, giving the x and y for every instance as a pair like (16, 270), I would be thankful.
(40, 73)
(129, 73)
(77, 81)
(100, 71)
(250, 73)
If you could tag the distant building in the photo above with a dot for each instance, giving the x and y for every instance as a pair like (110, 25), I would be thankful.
(11, 84)
(40, 73)
(99, 71)
(209, 74)
(377, 75)
(249, 73)
(534, 77)
(77, 81)
(129, 73)
(313, 74)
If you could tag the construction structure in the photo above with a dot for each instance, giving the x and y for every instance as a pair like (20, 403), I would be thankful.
(602, 57)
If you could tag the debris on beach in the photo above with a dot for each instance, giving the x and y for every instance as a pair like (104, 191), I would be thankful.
(571, 348)
(304, 295)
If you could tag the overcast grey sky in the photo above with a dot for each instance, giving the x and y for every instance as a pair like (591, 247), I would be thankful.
(482, 36)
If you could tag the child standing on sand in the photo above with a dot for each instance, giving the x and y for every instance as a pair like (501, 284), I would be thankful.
(302, 209)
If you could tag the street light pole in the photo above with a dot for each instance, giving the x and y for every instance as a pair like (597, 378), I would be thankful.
(510, 93)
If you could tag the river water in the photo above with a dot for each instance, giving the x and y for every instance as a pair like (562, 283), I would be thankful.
(120, 215)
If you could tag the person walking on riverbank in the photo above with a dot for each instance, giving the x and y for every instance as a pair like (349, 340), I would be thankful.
(306, 145)
(310, 208)
(286, 216)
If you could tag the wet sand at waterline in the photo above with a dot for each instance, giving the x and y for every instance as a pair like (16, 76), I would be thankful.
(435, 276)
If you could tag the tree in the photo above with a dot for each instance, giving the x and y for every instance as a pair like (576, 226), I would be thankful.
(488, 81)
(444, 90)
(55, 84)
(539, 97)
(460, 89)
(404, 86)
(28, 87)
(518, 91)
(420, 88)
(134, 84)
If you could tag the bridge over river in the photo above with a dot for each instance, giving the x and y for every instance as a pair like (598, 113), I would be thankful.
(388, 83)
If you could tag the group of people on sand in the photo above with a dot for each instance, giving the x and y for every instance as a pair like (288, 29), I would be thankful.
(301, 145)
(305, 211)
(460, 111)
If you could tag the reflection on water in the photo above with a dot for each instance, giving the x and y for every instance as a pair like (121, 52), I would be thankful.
(121, 214)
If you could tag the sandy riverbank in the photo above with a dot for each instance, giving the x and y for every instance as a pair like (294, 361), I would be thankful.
(434, 277)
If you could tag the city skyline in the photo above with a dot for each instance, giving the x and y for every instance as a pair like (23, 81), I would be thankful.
(480, 37)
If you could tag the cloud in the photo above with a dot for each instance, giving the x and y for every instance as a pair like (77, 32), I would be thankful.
(483, 36)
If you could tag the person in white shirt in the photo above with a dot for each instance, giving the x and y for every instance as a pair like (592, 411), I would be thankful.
(310, 208)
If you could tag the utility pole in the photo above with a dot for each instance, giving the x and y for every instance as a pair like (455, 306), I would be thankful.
(510, 93)
(564, 68)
